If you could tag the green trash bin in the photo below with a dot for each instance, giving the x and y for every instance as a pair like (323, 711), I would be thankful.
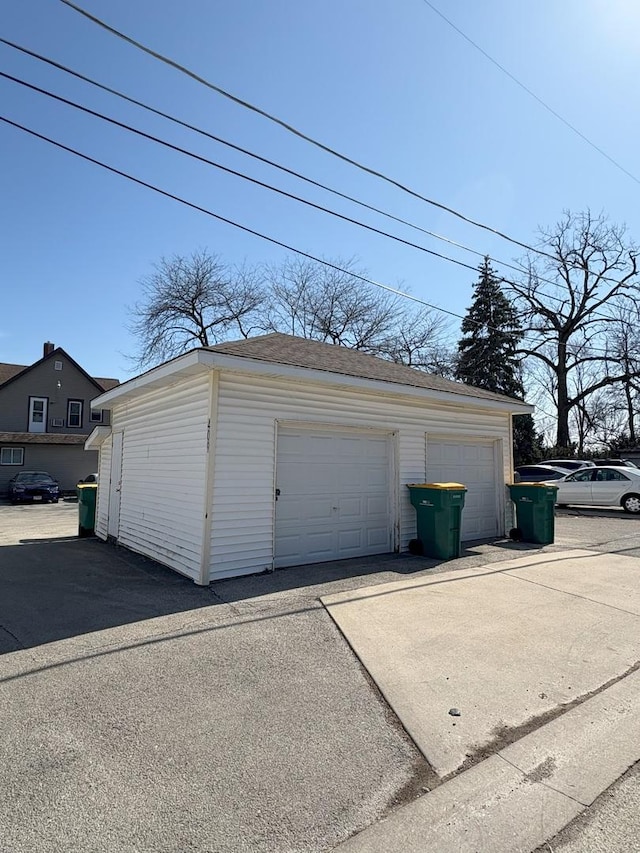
(535, 513)
(86, 507)
(439, 510)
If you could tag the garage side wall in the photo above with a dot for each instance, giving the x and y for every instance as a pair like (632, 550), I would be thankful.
(162, 500)
(245, 454)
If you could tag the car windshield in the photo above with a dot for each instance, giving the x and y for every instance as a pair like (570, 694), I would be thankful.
(34, 477)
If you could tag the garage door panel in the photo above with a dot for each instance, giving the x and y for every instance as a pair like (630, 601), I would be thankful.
(474, 465)
(334, 497)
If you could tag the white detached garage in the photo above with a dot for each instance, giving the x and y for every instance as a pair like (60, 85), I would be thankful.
(277, 451)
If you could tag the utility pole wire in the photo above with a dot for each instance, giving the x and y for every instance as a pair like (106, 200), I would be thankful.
(265, 160)
(238, 225)
(530, 92)
(279, 191)
(291, 129)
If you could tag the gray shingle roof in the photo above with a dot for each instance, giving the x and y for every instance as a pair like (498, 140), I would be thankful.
(8, 371)
(301, 352)
(41, 438)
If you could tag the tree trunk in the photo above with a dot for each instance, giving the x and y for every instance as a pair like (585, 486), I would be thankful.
(562, 433)
(630, 414)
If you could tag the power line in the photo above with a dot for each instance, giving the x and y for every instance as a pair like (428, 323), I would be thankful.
(236, 173)
(529, 91)
(258, 157)
(225, 219)
(269, 162)
(291, 129)
(265, 185)
(238, 225)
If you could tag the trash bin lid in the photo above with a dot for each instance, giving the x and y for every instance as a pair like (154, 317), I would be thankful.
(534, 485)
(436, 486)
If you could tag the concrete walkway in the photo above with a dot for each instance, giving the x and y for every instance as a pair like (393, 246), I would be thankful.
(539, 656)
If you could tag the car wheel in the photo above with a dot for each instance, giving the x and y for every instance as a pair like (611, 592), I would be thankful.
(54, 501)
(631, 503)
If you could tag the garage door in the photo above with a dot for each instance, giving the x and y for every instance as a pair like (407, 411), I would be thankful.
(471, 463)
(333, 496)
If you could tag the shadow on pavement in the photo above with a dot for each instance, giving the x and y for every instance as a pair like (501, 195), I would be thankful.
(64, 587)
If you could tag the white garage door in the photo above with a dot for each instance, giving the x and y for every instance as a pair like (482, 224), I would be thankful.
(332, 496)
(472, 463)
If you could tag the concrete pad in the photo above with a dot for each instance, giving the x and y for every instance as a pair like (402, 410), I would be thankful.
(610, 579)
(489, 808)
(502, 649)
(584, 751)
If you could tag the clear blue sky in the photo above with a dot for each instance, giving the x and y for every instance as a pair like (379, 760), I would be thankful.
(385, 81)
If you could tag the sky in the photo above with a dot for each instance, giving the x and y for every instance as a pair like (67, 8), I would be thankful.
(386, 82)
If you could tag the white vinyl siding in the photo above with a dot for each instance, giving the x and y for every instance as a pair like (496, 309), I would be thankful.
(102, 498)
(162, 501)
(242, 533)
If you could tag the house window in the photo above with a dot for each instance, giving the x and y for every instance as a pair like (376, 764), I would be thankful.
(96, 416)
(74, 413)
(57, 365)
(11, 455)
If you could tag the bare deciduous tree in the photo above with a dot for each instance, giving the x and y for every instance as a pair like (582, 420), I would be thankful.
(198, 301)
(335, 306)
(193, 301)
(593, 265)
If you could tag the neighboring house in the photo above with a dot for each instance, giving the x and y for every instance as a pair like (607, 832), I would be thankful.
(46, 416)
(277, 451)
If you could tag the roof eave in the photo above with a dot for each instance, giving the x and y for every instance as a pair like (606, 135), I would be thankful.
(99, 434)
(197, 360)
(191, 362)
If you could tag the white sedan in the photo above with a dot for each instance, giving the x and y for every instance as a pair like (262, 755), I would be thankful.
(601, 486)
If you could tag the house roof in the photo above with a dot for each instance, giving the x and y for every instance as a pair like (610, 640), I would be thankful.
(302, 352)
(41, 438)
(9, 372)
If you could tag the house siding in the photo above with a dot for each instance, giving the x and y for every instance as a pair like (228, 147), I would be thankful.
(162, 500)
(68, 464)
(42, 381)
(249, 408)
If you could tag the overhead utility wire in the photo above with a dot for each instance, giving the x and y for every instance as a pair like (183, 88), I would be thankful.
(236, 173)
(235, 224)
(291, 129)
(252, 154)
(255, 181)
(530, 92)
(268, 162)
(241, 175)
(225, 219)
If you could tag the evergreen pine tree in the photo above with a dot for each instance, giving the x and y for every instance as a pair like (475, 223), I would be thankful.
(487, 354)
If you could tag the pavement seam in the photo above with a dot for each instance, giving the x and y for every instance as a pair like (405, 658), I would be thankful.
(542, 782)
(572, 594)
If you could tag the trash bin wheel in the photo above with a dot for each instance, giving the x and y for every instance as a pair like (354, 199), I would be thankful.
(416, 547)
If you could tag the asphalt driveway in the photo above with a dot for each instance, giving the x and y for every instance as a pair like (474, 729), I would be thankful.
(142, 713)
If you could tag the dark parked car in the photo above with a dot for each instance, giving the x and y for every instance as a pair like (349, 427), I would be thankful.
(537, 473)
(569, 464)
(33, 486)
(616, 463)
